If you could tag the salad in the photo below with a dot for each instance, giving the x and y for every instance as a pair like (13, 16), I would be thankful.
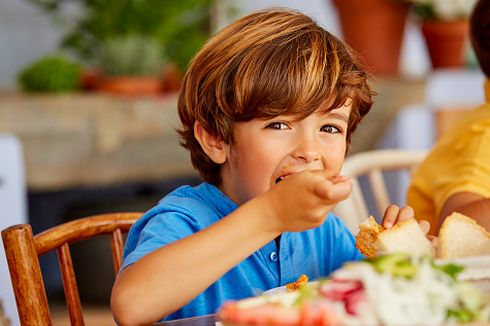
(395, 289)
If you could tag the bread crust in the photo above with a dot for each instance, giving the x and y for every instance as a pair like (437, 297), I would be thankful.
(367, 236)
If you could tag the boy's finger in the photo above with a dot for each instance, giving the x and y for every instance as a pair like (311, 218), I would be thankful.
(334, 191)
(434, 240)
(390, 216)
(406, 213)
(338, 178)
(394, 215)
(327, 174)
(425, 226)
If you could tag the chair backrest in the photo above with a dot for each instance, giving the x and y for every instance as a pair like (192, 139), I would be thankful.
(22, 250)
(372, 164)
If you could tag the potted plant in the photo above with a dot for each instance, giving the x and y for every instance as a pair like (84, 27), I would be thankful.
(375, 29)
(51, 74)
(131, 64)
(444, 25)
(181, 26)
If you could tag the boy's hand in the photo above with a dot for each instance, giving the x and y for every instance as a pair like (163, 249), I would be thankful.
(303, 200)
(394, 215)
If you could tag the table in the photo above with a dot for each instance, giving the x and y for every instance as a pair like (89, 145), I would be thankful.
(208, 320)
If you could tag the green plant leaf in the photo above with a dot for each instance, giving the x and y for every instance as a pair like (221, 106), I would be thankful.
(50, 74)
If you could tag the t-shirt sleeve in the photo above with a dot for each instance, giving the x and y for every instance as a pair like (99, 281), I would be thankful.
(158, 231)
(470, 167)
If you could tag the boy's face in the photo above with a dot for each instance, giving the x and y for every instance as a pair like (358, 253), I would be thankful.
(266, 151)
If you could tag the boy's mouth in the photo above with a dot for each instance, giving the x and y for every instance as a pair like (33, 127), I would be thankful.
(282, 178)
(286, 171)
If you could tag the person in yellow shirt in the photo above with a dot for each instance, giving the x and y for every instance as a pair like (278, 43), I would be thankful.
(455, 177)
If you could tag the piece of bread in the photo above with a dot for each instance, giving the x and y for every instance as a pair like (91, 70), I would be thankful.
(460, 236)
(367, 236)
(405, 237)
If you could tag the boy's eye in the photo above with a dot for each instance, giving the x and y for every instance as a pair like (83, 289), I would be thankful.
(330, 129)
(277, 126)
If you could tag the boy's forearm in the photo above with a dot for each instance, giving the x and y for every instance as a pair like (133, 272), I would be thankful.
(170, 277)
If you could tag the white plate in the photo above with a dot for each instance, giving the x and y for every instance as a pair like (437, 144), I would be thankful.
(280, 289)
(469, 262)
(476, 270)
(283, 289)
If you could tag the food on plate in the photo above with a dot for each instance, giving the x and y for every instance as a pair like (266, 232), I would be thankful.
(395, 289)
(460, 236)
(301, 282)
(403, 237)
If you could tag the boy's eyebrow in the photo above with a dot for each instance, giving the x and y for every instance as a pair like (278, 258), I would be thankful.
(339, 116)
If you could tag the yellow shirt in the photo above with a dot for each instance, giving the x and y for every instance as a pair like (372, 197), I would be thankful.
(458, 162)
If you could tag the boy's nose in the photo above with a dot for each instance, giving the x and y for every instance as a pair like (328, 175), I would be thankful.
(307, 151)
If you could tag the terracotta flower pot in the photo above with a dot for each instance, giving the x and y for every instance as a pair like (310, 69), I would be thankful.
(172, 78)
(446, 42)
(131, 85)
(375, 29)
(90, 79)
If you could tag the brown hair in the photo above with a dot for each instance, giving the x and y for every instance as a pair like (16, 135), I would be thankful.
(480, 34)
(268, 63)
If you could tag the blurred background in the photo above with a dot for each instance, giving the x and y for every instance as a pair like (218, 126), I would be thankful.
(30, 30)
(88, 93)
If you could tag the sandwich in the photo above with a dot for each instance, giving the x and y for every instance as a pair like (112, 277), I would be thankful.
(406, 236)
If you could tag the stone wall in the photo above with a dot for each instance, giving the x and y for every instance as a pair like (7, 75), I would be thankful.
(393, 94)
(80, 140)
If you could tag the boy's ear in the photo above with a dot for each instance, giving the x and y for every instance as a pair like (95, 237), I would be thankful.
(211, 144)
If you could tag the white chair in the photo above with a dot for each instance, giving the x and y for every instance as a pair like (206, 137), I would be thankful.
(373, 164)
(13, 208)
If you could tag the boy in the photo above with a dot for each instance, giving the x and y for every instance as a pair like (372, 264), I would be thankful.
(455, 176)
(268, 107)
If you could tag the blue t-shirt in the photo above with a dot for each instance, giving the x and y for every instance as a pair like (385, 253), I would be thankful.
(187, 210)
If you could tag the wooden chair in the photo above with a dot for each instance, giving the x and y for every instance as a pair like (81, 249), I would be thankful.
(23, 249)
(372, 164)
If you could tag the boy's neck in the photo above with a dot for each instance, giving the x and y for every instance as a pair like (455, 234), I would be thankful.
(277, 241)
